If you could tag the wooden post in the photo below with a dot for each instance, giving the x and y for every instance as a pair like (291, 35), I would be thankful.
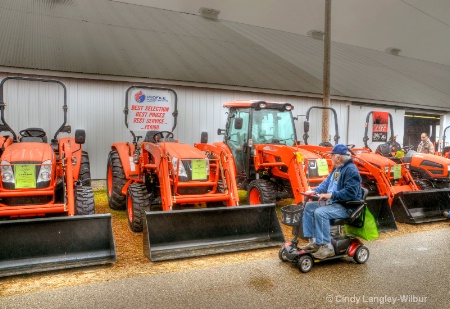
(326, 72)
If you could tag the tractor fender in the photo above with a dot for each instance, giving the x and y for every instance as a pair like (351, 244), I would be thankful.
(126, 151)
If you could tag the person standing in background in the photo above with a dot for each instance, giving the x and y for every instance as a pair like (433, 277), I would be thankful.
(425, 146)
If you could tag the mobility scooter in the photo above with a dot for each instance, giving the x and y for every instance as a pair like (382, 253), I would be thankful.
(345, 245)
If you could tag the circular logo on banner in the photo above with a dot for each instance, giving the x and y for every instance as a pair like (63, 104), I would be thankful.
(139, 97)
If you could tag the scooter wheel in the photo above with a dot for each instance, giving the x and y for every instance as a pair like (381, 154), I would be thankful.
(305, 263)
(361, 255)
(282, 254)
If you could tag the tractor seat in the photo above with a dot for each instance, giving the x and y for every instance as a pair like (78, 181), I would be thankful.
(384, 150)
(326, 144)
(357, 217)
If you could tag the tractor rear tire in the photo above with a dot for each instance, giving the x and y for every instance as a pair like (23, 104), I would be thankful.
(138, 201)
(115, 180)
(84, 201)
(260, 191)
(85, 170)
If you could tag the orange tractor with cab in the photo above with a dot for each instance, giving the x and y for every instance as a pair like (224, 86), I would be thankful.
(269, 164)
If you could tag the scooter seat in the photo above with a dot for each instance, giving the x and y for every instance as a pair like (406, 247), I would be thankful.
(357, 215)
(339, 221)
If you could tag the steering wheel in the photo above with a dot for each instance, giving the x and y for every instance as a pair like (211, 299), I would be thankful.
(168, 134)
(265, 138)
(32, 132)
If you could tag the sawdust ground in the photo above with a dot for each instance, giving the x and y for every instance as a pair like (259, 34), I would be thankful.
(132, 263)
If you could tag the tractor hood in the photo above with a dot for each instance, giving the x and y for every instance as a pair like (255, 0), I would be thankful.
(184, 151)
(425, 157)
(28, 152)
(308, 154)
(376, 159)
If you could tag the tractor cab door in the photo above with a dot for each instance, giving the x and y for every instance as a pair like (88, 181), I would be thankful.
(237, 138)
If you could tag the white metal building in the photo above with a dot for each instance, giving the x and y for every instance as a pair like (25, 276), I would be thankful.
(100, 48)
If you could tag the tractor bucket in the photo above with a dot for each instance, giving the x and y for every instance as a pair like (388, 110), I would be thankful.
(381, 211)
(179, 234)
(421, 206)
(46, 244)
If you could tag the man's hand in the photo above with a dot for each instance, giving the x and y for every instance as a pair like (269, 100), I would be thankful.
(324, 196)
(309, 193)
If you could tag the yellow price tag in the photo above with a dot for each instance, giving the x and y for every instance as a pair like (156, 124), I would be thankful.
(198, 169)
(397, 171)
(25, 176)
(322, 167)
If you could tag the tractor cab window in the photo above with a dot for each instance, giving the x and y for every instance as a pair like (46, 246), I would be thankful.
(273, 127)
(237, 137)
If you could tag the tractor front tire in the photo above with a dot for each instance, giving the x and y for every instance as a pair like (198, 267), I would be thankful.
(260, 191)
(85, 170)
(84, 201)
(138, 201)
(217, 204)
(115, 180)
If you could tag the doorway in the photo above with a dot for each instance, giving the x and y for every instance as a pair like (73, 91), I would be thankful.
(416, 124)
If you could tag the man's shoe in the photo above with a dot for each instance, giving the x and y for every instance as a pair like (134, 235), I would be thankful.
(323, 252)
(310, 247)
(445, 213)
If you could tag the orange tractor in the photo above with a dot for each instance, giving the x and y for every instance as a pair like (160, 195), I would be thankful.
(269, 164)
(46, 202)
(428, 178)
(394, 179)
(179, 177)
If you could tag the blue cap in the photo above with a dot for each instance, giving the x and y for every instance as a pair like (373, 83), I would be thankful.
(340, 149)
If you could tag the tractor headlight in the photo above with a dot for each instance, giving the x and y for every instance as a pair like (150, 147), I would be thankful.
(45, 172)
(7, 172)
(178, 168)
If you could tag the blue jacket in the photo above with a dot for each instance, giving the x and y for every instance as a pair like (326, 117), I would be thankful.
(348, 184)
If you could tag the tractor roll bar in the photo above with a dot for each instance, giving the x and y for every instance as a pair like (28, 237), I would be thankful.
(125, 110)
(4, 125)
(366, 130)
(443, 141)
(306, 124)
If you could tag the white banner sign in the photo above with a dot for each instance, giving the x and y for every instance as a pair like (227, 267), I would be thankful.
(150, 110)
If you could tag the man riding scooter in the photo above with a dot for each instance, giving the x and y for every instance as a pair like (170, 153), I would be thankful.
(343, 184)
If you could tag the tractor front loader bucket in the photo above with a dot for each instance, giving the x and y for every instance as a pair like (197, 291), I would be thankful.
(421, 206)
(179, 234)
(45, 244)
(382, 213)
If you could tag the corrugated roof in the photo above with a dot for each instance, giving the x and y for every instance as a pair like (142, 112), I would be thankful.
(120, 39)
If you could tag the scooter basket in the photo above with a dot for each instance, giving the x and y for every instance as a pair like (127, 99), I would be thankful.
(292, 215)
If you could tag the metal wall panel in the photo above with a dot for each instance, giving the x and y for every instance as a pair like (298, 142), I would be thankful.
(97, 107)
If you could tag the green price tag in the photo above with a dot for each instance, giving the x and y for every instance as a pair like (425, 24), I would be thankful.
(322, 167)
(198, 169)
(25, 176)
(397, 171)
